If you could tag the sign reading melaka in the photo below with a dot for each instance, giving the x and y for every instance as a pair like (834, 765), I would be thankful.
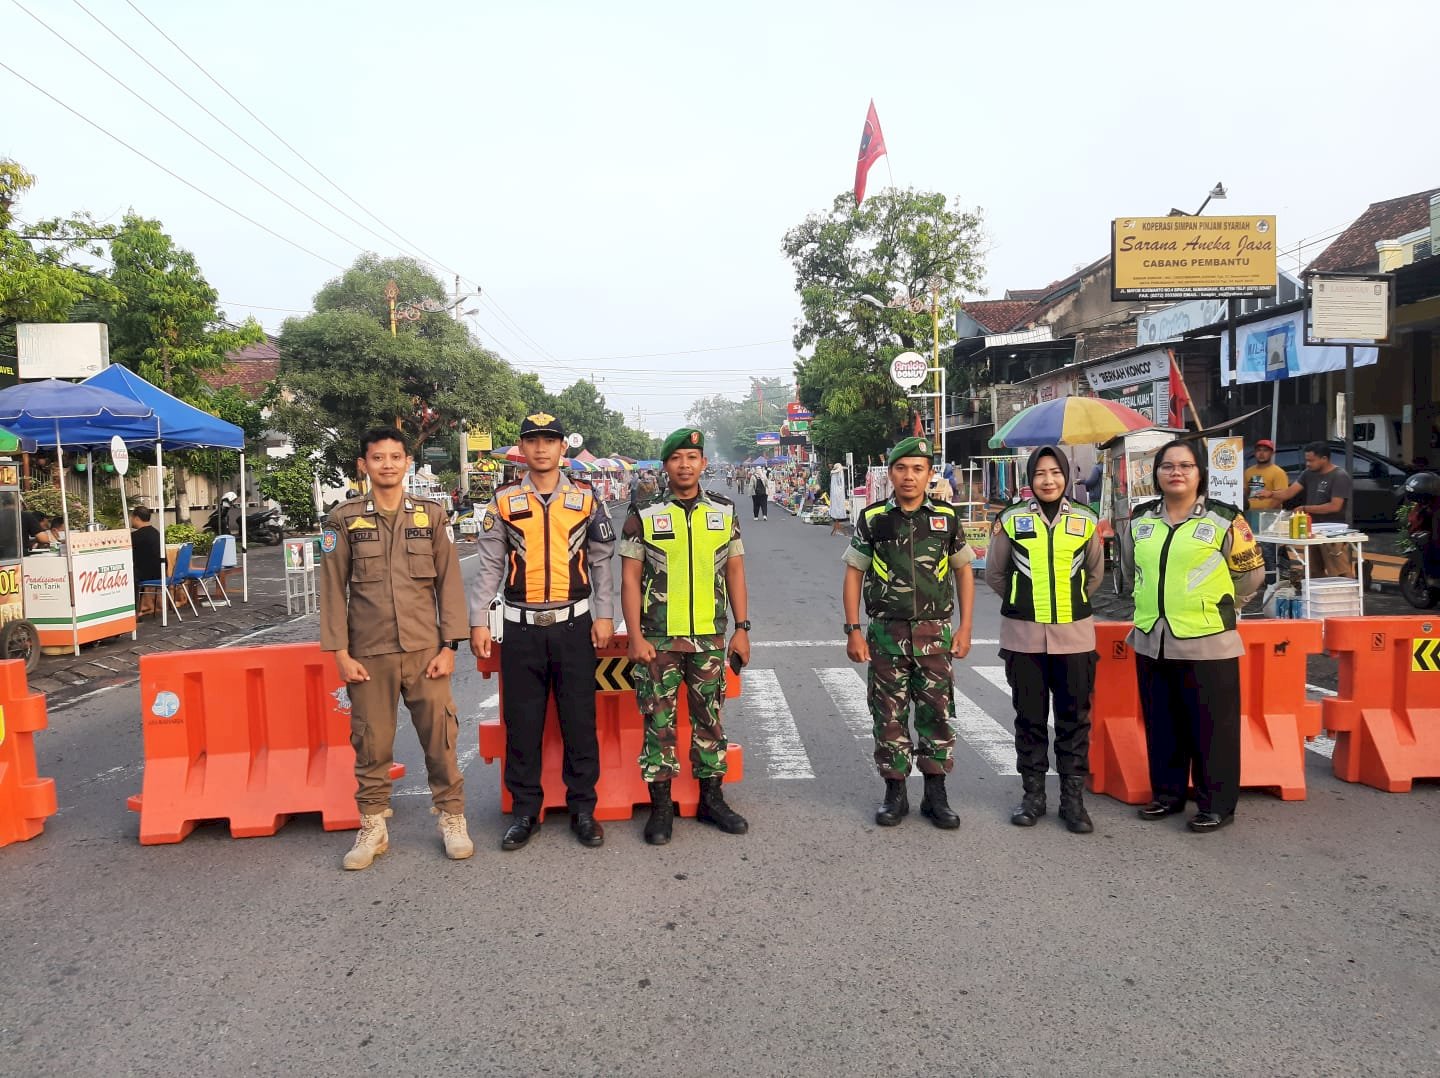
(1178, 258)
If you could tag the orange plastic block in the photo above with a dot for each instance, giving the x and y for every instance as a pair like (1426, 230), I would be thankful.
(1118, 767)
(249, 735)
(620, 730)
(1386, 716)
(26, 800)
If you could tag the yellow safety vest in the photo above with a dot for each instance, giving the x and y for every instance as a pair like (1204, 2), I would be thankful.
(685, 591)
(1047, 563)
(1181, 573)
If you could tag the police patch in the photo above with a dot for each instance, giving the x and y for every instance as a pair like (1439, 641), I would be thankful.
(938, 524)
(422, 519)
(329, 539)
(1205, 533)
(418, 533)
(487, 521)
(663, 524)
(1075, 525)
(574, 501)
(519, 503)
(715, 521)
(1025, 525)
(1144, 531)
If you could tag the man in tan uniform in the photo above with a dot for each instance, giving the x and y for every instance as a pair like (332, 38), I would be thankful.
(392, 609)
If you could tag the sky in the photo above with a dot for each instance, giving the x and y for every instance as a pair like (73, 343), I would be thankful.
(616, 179)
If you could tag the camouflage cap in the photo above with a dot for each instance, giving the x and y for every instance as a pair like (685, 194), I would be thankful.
(684, 438)
(910, 447)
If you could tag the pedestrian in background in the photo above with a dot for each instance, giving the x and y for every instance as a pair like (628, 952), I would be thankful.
(549, 540)
(392, 609)
(901, 560)
(683, 564)
(839, 502)
(1046, 559)
(1261, 479)
(760, 494)
(1194, 562)
(145, 549)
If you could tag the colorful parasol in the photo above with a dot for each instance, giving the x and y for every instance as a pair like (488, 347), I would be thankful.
(1069, 421)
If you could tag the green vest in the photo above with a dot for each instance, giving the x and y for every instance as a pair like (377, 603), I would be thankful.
(685, 590)
(1181, 573)
(1047, 563)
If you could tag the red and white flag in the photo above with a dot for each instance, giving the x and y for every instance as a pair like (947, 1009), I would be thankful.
(1179, 394)
(872, 146)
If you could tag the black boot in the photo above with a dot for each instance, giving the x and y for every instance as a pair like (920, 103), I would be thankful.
(896, 805)
(936, 805)
(1072, 804)
(1032, 804)
(662, 814)
(713, 809)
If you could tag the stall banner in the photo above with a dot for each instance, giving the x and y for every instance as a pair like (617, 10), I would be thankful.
(1141, 382)
(977, 538)
(768, 438)
(1177, 258)
(795, 410)
(1275, 348)
(1227, 470)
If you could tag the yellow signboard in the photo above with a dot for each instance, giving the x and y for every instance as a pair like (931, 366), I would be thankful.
(1178, 258)
(479, 441)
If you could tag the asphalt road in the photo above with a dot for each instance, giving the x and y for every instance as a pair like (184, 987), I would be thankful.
(1304, 940)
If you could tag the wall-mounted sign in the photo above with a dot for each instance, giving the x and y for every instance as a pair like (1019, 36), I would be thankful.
(1176, 258)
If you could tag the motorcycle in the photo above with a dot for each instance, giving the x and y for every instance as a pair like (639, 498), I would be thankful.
(262, 526)
(1420, 575)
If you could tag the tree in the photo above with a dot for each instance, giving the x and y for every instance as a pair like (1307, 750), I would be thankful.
(341, 371)
(731, 424)
(893, 249)
(581, 409)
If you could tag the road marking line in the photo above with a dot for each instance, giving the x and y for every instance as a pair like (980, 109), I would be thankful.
(837, 643)
(1320, 690)
(1322, 746)
(994, 743)
(995, 675)
(469, 736)
(848, 693)
(784, 751)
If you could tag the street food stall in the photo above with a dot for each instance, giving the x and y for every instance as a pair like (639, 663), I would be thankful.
(84, 594)
(18, 636)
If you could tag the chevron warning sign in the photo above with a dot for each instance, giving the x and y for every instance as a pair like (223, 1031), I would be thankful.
(1425, 655)
(612, 674)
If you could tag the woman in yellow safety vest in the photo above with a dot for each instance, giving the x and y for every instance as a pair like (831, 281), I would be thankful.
(1194, 563)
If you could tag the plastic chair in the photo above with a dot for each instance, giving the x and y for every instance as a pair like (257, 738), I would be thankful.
(177, 579)
(210, 571)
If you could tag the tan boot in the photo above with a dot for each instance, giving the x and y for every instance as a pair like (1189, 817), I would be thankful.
(457, 840)
(370, 843)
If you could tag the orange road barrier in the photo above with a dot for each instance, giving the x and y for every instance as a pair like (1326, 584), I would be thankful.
(1275, 715)
(26, 800)
(1386, 716)
(252, 735)
(620, 729)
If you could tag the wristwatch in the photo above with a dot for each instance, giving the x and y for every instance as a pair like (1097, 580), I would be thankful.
(852, 628)
(453, 645)
(743, 625)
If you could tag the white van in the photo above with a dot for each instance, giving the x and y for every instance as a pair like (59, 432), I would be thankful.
(1379, 434)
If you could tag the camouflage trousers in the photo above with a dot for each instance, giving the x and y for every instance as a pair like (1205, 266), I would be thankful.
(657, 693)
(899, 676)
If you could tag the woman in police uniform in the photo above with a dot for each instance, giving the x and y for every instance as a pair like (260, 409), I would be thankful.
(1194, 563)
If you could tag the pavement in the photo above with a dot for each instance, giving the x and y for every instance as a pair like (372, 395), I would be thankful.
(1304, 940)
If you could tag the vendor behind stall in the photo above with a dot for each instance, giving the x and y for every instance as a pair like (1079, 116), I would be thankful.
(144, 548)
(36, 528)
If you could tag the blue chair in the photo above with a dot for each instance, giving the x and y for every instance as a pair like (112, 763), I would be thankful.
(211, 571)
(178, 578)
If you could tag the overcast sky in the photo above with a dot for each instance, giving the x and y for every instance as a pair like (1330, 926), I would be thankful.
(617, 177)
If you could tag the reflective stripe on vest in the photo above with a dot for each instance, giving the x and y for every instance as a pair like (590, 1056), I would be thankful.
(1181, 574)
(1047, 571)
(689, 548)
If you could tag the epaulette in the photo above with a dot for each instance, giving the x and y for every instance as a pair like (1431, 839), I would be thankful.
(1152, 506)
(1222, 509)
(717, 498)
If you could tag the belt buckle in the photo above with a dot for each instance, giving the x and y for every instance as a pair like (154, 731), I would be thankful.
(545, 617)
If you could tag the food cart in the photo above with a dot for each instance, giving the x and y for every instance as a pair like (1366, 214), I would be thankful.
(18, 636)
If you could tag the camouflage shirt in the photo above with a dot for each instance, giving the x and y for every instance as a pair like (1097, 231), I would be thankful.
(907, 559)
(684, 550)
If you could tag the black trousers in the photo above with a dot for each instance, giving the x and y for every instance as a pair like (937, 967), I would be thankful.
(1034, 680)
(534, 660)
(761, 504)
(1192, 721)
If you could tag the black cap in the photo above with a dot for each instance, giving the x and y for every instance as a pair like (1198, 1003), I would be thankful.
(541, 423)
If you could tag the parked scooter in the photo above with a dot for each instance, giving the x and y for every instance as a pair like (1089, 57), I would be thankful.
(1420, 575)
(265, 525)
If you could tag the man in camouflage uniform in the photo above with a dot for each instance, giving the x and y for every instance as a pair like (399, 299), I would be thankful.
(683, 563)
(901, 559)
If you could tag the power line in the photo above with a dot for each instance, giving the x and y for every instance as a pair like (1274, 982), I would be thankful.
(169, 172)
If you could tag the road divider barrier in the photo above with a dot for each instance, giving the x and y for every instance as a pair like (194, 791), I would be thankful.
(620, 730)
(248, 735)
(1385, 717)
(1275, 715)
(26, 800)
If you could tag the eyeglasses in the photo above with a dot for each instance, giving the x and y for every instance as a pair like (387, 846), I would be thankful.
(1186, 468)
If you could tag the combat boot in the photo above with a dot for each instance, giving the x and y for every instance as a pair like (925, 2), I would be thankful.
(1032, 804)
(370, 843)
(896, 805)
(457, 840)
(662, 814)
(713, 809)
(936, 804)
(1072, 804)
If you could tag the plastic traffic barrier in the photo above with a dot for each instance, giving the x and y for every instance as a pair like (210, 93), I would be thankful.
(249, 735)
(1275, 715)
(1385, 717)
(620, 729)
(26, 800)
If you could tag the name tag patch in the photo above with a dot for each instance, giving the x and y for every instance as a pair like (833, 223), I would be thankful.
(1205, 533)
(369, 535)
(715, 521)
(418, 533)
(1144, 531)
(519, 503)
(574, 500)
(1075, 526)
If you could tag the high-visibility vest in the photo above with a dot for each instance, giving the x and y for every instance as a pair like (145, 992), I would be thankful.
(1047, 563)
(1181, 573)
(687, 551)
(547, 560)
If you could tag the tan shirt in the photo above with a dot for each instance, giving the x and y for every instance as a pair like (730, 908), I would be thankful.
(1035, 637)
(389, 585)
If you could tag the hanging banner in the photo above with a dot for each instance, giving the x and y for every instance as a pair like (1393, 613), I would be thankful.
(1227, 470)
(479, 441)
(1275, 348)
(1141, 382)
(795, 410)
(768, 438)
(1177, 258)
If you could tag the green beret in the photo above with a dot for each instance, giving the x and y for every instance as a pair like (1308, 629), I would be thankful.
(684, 438)
(910, 447)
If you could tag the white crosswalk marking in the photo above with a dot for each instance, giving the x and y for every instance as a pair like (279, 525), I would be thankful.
(785, 756)
(994, 743)
(847, 692)
(995, 675)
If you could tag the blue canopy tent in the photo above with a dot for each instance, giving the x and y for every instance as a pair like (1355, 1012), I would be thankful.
(60, 414)
(178, 425)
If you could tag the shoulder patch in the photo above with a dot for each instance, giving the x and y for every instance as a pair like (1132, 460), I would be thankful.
(329, 540)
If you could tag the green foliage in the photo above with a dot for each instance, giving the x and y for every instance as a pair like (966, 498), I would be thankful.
(233, 406)
(579, 407)
(730, 425)
(291, 483)
(46, 500)
(176, 534)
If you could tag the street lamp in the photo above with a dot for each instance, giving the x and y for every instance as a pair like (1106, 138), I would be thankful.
(1218, 191)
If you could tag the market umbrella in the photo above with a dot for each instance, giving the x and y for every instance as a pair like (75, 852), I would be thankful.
(1069, 421)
